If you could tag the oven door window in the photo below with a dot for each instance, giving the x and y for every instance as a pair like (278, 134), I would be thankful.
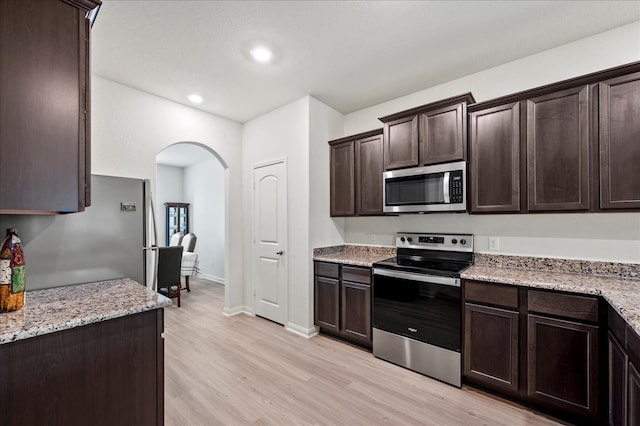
(415, 190)
(426, 312)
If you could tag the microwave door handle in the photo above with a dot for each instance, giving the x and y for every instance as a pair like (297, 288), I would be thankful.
(445, 190)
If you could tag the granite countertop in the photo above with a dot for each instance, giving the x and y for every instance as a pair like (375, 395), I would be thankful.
(353, 254)
(617, 283)
(61, 308)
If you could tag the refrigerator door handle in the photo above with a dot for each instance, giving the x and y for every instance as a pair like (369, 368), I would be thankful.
(154, 233)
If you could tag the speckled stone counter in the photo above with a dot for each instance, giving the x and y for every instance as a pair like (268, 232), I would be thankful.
(354, 255)
(618, 283)
(61, 308)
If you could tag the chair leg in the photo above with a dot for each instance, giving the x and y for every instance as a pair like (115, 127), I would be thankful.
(179, 294)
(186, 280)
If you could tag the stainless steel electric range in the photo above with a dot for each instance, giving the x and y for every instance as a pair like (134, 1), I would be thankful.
(417, 307)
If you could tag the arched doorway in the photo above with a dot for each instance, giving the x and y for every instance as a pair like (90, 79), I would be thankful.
(194, 174)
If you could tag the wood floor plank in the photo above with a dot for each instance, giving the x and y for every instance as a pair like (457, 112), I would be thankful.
(245, 370)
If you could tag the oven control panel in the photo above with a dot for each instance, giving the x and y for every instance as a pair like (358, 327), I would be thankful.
(446, 242)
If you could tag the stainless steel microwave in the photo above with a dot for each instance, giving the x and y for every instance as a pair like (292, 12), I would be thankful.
(438, 188)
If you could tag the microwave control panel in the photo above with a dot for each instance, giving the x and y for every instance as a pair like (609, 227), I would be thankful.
(456, 191)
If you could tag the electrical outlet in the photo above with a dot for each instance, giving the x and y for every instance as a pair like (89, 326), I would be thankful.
(374, 238)
(494, 243)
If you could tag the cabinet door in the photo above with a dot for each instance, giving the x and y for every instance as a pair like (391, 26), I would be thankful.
(562, 365)
(342, 179)
(620, 142)
(401, 143)
(327, 303)
(558, 151)
(443, 135)
(43, 129)
(491, 347)
(617, 384)
(369, 168)
(356, 312)
(633, 395)
(107, 373)
(495, 159)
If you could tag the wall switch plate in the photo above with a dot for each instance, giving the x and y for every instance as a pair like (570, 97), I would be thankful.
(374, 238)
(494, 243)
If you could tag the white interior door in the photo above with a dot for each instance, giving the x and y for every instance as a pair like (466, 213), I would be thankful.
(269, 255)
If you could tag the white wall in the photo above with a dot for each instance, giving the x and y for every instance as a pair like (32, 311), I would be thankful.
(170, 181)
(609, 237)
(129, 127)
(283, 133)
(325, 124)
(203, 188)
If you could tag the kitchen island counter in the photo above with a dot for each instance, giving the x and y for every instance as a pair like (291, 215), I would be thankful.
(86, 354)
(61, 308)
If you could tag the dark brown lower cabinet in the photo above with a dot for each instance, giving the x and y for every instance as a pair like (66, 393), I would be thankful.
(633, 395)
(356, 311)
(107, 373)
(617, 383)
(624, 376)
(343, 301)
(327, 302)
(491, 347)
(562, 364)
(541, 348)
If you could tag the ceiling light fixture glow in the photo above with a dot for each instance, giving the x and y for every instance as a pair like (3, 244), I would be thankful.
(196, 99)
(261, 54)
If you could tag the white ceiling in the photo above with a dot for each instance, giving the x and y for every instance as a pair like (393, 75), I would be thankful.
(347, 54)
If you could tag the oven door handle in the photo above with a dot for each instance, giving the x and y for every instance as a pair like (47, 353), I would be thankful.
(454, 282)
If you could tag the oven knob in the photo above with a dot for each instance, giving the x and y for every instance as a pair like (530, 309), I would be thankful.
(463, 242)
(402, 239)
(409, 239)
(454, 241)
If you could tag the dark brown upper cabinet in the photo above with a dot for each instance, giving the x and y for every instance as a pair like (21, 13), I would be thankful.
(569, 146)
(356, 174)
(558, 150)
(369, 167)
(44, 107)
(495, 159)
(401, 143)
(619, 137)
(342, 179)
(428, 134)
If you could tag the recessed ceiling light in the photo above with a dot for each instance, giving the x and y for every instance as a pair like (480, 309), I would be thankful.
(196, 99)
(261, 54)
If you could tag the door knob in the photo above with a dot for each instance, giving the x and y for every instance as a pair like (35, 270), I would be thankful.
(280, 253)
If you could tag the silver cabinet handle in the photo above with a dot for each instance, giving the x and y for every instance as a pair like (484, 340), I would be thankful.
(280, 253)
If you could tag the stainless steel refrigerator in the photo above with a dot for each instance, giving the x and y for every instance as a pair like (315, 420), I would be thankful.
(106, 241)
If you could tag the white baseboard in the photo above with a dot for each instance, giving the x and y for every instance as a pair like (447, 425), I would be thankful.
(307, 333)
(211, 278)
(229, 312)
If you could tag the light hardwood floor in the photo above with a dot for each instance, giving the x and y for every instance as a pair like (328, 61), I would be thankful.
(247, 370)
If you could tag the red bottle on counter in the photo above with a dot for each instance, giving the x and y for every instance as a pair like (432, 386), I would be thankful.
(12, 274)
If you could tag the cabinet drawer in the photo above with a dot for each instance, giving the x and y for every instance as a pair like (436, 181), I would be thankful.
(357, 275)
(563, 305)
(491, 294)
(328, 269)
